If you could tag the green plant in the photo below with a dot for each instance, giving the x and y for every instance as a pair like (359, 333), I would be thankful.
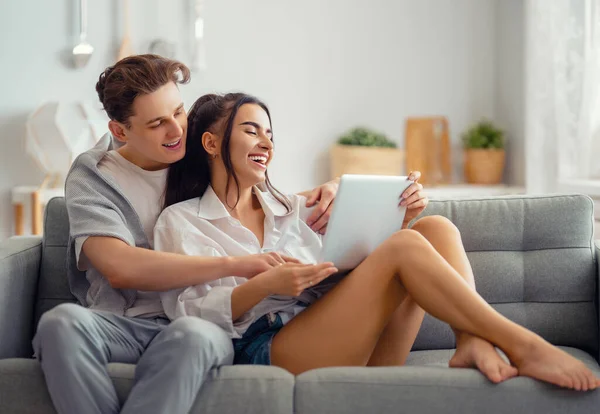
(483, 135)
(366, 138)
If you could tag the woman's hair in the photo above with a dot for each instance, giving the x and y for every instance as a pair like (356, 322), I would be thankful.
(120, 84)
(190, 177)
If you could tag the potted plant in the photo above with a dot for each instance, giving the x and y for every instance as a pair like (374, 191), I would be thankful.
(363, 151)
(484, 153)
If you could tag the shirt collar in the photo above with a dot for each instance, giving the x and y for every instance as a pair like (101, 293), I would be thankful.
(211, 208)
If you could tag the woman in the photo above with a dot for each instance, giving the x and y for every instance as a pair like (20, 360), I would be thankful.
(283, 316)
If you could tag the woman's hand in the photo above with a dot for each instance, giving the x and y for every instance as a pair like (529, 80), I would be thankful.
(290, 279)
(413, 198)
(252, 265)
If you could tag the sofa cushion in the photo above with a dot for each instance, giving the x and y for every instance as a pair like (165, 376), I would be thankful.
(434, 388)
(533, 260)
(247, 389)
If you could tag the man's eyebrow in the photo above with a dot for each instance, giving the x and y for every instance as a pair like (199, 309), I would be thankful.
(162, 117)
(254, 124)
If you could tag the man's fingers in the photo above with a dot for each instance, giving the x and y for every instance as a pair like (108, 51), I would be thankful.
(289, 259)
(323, 219)
(310, 201)
(317, 212)
(277, 257)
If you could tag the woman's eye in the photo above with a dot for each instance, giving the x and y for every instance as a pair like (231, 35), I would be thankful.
(251, 132)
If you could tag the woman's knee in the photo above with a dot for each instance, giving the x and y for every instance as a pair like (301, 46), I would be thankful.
(405, 240)
(435, 225)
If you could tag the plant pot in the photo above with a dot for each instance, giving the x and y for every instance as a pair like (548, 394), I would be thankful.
(355, 159)
(484, 166)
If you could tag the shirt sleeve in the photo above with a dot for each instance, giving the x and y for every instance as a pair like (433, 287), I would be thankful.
(210, 301)
(93, 208)
(83, 262)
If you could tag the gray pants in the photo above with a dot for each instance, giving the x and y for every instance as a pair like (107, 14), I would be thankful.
(75, 344)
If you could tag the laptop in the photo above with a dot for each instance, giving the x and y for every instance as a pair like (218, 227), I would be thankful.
(365, 213)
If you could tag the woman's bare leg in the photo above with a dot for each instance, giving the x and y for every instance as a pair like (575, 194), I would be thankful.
(399, 334)
(343, 327)
(471, 351)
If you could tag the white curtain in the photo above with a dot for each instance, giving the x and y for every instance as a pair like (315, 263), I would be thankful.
(562, 93)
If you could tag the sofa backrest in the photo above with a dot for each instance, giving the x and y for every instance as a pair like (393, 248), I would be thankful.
(532, 257)
(53, 287)
(533, 260)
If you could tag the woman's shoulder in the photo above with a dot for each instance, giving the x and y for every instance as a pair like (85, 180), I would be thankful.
(179, 213)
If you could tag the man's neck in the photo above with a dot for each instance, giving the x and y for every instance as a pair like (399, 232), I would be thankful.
(140, 160)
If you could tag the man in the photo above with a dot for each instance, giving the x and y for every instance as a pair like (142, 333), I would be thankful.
(114, 196)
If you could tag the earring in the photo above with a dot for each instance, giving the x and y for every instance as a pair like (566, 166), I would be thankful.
(215, 156)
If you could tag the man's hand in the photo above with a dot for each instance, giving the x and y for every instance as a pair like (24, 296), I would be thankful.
(413, 198)
(324, 196)
(251, 265)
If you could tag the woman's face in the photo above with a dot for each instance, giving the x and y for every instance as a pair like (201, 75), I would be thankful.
(251, 146)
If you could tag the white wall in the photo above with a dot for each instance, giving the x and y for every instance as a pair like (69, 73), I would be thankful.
(323, 66)
(510, 85)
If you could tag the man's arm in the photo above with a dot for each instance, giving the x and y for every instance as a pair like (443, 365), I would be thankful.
(128, 267)
(322, 197)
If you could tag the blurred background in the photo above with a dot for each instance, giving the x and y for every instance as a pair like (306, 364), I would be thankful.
(439, 73)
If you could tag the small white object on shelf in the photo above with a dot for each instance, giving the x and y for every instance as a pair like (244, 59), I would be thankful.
(57, 132)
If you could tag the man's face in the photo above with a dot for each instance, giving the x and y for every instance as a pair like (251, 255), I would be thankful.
(157, 133)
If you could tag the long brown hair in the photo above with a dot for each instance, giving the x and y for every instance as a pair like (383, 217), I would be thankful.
(190, 177)
(120, 84)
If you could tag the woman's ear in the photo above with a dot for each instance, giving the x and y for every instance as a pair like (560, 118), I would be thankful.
(211, 143)
(117, 130)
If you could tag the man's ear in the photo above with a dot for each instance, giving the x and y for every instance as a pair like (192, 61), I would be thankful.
(117, 130)
(211, 143)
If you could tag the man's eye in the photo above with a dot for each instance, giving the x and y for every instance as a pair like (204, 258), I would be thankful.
(156, 125)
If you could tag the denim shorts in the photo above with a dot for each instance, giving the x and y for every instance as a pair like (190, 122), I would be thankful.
(254, 347)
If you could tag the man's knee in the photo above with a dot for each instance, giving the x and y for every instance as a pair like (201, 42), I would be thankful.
(62, 322)
(197, 335)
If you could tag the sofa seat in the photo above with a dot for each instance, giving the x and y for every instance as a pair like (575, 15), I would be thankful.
(425, 384)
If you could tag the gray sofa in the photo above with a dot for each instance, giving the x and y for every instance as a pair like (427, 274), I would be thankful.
(534, 259)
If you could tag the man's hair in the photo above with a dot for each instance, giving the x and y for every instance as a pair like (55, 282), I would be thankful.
(120, 84)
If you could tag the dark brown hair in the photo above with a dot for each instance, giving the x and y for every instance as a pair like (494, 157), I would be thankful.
(190, 177)
(120, 84)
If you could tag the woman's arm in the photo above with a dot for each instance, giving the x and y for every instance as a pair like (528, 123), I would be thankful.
(246, 296)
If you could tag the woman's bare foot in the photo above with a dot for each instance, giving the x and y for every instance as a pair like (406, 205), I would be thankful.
(540, 360)
(474, 352)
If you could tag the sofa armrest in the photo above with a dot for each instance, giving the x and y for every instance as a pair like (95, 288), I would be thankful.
(20, 259)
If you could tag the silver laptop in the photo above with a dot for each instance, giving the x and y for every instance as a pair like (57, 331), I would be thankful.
(365, 213)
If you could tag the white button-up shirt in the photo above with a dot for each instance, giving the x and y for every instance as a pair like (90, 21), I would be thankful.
(204, 227)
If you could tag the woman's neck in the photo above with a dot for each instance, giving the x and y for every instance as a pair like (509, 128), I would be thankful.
(244, 205)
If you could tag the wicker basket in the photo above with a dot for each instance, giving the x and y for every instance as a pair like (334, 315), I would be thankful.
(354, 159)
(484, 166)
